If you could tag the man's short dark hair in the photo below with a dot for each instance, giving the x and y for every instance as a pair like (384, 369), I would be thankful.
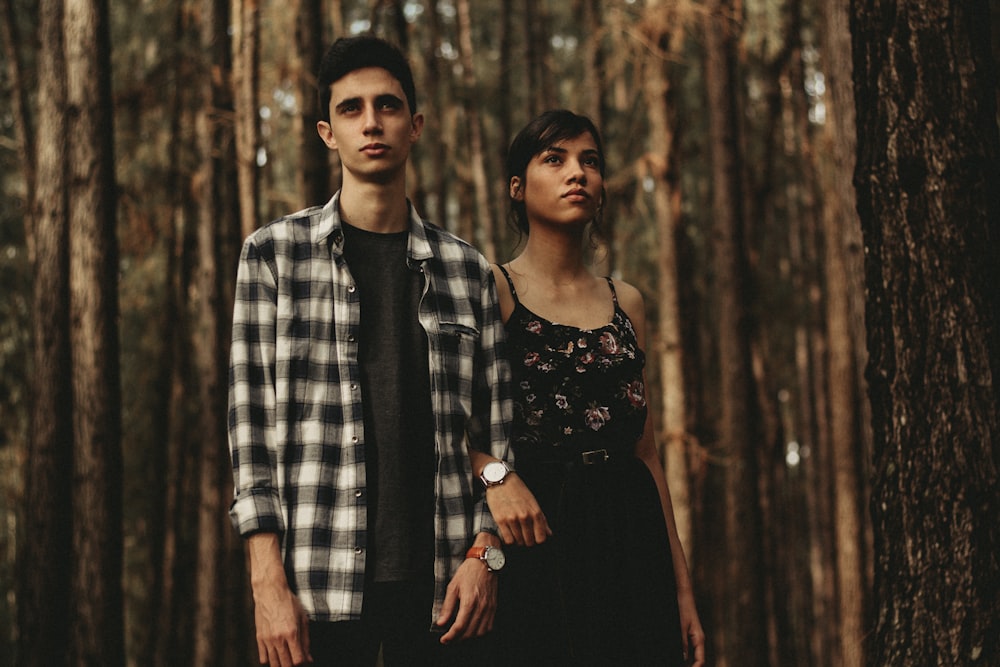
(348, 54)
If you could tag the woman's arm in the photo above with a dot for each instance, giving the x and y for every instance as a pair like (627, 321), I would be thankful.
(693, 635)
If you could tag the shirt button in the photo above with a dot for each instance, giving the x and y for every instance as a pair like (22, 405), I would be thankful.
(350, 339)
(353, 386)
(351, 288)
(358, 550)
(354, 439)
(358, 493)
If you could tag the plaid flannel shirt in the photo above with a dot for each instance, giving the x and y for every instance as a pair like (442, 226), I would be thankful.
(296, 428)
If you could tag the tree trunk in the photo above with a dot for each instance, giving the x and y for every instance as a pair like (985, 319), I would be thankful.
(97, 489)
(739, 598)
(662, 166)
(842, 234)
(215, 222)
(435, 137)
(484, 219)
(313, 165)
(246, 81)
(45, 552)
(926, 176)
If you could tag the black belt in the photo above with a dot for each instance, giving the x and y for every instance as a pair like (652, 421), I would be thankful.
(595, 457)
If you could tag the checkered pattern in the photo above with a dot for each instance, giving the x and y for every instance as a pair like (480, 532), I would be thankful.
(296, 429)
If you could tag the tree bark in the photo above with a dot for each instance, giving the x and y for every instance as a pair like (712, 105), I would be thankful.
(97, 489)
(662, 167)
(926, 177)
(45, 553)
(484, 219)
(739, 598)
(216, 222)
(313, 166)
(847, 400)
(246, 81)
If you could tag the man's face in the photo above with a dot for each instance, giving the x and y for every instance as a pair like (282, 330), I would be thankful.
(370, 125)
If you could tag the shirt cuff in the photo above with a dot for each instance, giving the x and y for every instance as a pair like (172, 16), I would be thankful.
(255, 511)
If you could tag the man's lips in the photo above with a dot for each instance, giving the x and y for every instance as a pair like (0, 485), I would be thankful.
(577, 195)
(374, 149)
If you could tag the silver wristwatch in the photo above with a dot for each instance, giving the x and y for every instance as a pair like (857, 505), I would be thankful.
(494, 473)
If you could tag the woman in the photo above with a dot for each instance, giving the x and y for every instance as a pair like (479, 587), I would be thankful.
(610, 586)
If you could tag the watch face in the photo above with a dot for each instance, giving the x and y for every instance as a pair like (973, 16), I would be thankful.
(494, 472)
(495, 558)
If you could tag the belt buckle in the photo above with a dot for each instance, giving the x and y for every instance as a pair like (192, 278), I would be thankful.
(595, 456)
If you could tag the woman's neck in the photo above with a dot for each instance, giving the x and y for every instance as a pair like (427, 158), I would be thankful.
(553, 258)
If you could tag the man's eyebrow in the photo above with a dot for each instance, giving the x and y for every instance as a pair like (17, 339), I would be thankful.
(389, 97)
(348, 101)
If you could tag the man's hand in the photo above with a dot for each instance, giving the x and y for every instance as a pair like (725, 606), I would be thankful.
(282, 629)
(472, 592)
(516, 512)
(282, 624)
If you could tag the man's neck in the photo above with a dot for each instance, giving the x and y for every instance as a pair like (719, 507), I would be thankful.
(375, 207)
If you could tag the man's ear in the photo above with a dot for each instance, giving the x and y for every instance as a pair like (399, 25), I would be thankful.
(326, 134)
(416, 126)
(516, 192)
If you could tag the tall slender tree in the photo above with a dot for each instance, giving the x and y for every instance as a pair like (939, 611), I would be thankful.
(246, 83)
(313, 167)
(211, 286)
(925, 92)
(739, 595)
(844, 289)
(663, 31)
(485, 220)
(45, 553)
(98, 627)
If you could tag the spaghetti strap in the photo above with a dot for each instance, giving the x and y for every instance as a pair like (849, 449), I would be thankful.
(513, 292)
(611, 284)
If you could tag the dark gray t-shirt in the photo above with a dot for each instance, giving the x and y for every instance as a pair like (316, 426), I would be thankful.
(395, 391)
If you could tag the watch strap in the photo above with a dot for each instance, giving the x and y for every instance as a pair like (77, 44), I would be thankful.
(476, 552)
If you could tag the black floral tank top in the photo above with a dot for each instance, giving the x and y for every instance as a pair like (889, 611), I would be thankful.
(575, 390)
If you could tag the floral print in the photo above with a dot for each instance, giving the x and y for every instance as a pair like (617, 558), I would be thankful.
(573, 386)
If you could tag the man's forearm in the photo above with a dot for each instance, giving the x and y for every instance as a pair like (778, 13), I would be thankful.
(266, 568)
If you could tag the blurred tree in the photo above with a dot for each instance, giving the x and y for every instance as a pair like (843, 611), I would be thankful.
(246, 86)
(848, 414)
(739, 594)
(219, 551)
(926, 177)
(484, 225)
(45, 561)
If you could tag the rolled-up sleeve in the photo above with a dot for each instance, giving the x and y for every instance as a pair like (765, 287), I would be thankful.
(489, 428)
(256, 503)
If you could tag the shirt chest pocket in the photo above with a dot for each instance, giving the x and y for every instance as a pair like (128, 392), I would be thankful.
(452, 347)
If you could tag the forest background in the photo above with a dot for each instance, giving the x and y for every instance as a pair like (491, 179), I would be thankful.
(770, 179)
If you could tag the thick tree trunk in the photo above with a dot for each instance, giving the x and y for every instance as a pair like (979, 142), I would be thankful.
(45, 551)
(926, 176)
(739, 598)
(97, 488)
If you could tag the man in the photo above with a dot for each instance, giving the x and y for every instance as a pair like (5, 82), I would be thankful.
(367, 362)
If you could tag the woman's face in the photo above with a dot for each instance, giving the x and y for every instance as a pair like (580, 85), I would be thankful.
(562, 184)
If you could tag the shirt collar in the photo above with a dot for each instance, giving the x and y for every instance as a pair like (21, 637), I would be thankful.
(330, 230)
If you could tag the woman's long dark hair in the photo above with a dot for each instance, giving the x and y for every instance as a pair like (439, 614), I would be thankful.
(546, 130)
